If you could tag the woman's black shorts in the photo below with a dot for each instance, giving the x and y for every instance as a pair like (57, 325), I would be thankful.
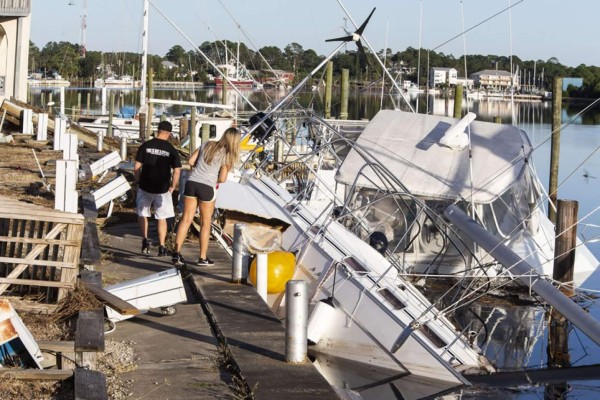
(201, 191)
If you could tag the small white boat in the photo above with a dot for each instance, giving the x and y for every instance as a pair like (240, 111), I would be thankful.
(122, 82)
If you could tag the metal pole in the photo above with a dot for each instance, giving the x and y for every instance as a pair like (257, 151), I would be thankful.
(62, 101)
(99, 142)
(144, 68)
(328, 86)
(296, 304)
(123, 148)
(224, 87)
(109, 128)
(150, 113)
(238, 253)
(103, 101)
(345, 89)
(261, 274)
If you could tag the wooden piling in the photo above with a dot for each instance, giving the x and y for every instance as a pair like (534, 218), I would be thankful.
(555, 147)
(142, 130)
(89, 103)
(565, 244)
(458, 95)
(564, 262)
(345, 89)
(183, 128)
(328, 86)
(205, 133)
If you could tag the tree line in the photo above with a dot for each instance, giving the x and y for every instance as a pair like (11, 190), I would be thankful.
(65, 59)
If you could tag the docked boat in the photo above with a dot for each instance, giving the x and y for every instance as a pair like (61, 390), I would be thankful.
(236, 75)
(367, 222)
(113, 82)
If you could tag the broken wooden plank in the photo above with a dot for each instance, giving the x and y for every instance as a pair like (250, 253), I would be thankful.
(36, 374)
(31, 307)
(113, 301)
(37, 282)
(59, 354)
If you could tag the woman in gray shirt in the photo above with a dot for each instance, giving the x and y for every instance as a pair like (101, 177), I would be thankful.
(210, 164)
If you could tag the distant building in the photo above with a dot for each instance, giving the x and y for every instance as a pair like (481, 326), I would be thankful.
(493, 79)
(168, 65)
(576, 82)
(15, 20)
(440, 76)
(466, 82)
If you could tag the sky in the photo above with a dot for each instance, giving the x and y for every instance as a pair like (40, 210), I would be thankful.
(532, 30)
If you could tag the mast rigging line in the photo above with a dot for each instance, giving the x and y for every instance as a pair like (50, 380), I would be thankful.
(225, 77)
(247, 36)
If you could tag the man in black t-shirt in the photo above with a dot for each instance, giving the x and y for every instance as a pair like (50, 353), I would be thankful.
(153, 164)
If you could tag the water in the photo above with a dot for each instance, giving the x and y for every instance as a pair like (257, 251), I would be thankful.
(516, 336)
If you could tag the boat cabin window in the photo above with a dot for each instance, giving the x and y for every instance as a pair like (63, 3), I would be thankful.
(353, 263)
(212, 134)
(432, 336)
(504, 217)
(395, 302)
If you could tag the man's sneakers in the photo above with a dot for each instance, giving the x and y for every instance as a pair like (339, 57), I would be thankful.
(145, 246)
(178, 260)
(162, 251)
(205, 262)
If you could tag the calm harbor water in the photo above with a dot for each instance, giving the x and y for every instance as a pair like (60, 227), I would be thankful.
(516, 336)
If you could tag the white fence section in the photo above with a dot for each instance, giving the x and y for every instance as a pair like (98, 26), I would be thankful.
(42, 127)
(66, 179)
(60, 127)
(27, 122)
(113, 189)
(70, 143)
(108, 161)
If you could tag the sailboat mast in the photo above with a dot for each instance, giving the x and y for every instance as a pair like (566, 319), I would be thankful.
(83, 28)
(237, 57)
(144, 71)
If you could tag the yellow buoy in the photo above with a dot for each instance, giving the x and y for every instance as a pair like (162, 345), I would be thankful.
(280, 267)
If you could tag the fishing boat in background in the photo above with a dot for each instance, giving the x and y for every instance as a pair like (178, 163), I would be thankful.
(237, 75)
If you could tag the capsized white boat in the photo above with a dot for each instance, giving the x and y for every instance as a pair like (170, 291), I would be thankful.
(362, 223)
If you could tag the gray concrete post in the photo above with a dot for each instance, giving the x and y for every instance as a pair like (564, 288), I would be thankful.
(296, 304)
